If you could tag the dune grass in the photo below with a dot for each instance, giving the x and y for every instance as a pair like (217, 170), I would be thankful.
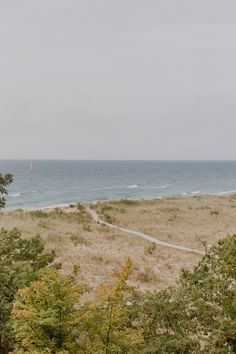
(100, 251)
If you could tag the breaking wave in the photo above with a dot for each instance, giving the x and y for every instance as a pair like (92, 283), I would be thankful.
(18, 194)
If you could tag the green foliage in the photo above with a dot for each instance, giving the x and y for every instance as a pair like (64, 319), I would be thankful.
(46, 314)
(20, 260)
(44, 351)
(212, 295)
(80, 207)
(49, 318)
(108, 324)
(199, 316)
(167, 328)
(5, 180)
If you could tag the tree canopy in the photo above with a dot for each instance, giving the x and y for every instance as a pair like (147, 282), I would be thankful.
(5, 180)
(196, 316)
(20, 261)
(199, 315)
(46, 314)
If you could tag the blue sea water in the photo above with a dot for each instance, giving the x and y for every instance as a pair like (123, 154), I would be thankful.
(59, 183)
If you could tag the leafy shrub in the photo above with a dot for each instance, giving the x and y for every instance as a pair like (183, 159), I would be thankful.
(20, 260)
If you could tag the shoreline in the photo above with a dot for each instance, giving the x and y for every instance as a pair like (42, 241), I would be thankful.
(63, 206)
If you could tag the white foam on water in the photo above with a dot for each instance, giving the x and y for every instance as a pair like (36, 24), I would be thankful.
(132, 186)
(227, 192)
(26, 192)
(18, 194)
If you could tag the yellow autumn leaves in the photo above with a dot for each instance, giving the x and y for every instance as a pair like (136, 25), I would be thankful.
(48, 317)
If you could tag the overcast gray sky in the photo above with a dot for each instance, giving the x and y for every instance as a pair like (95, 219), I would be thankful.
(118, 79)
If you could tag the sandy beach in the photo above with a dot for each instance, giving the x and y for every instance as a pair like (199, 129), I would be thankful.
(100, 251)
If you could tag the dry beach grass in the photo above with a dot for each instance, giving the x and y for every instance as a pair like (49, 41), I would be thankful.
(193, 221)
(100, 251)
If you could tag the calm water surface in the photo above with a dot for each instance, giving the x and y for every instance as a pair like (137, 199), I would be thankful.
(57, 183)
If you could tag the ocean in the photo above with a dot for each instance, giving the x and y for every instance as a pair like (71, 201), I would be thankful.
(46, 184)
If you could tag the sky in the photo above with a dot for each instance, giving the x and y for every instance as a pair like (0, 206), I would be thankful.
(109, 79)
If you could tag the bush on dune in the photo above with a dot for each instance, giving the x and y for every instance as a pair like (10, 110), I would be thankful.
(197, 316)
(48, 317)
(20, 261)
(46, 314)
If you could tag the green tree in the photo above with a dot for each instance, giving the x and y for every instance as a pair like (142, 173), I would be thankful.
(20, 261)
(198, 316)
(32, 351)
(5, 180)
(46, 315)
(108, 324)
(211, 290)
(168, 327)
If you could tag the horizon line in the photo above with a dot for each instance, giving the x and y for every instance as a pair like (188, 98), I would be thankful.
(131, 160)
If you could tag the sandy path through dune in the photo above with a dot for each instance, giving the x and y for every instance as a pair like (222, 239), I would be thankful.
(96, 218)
